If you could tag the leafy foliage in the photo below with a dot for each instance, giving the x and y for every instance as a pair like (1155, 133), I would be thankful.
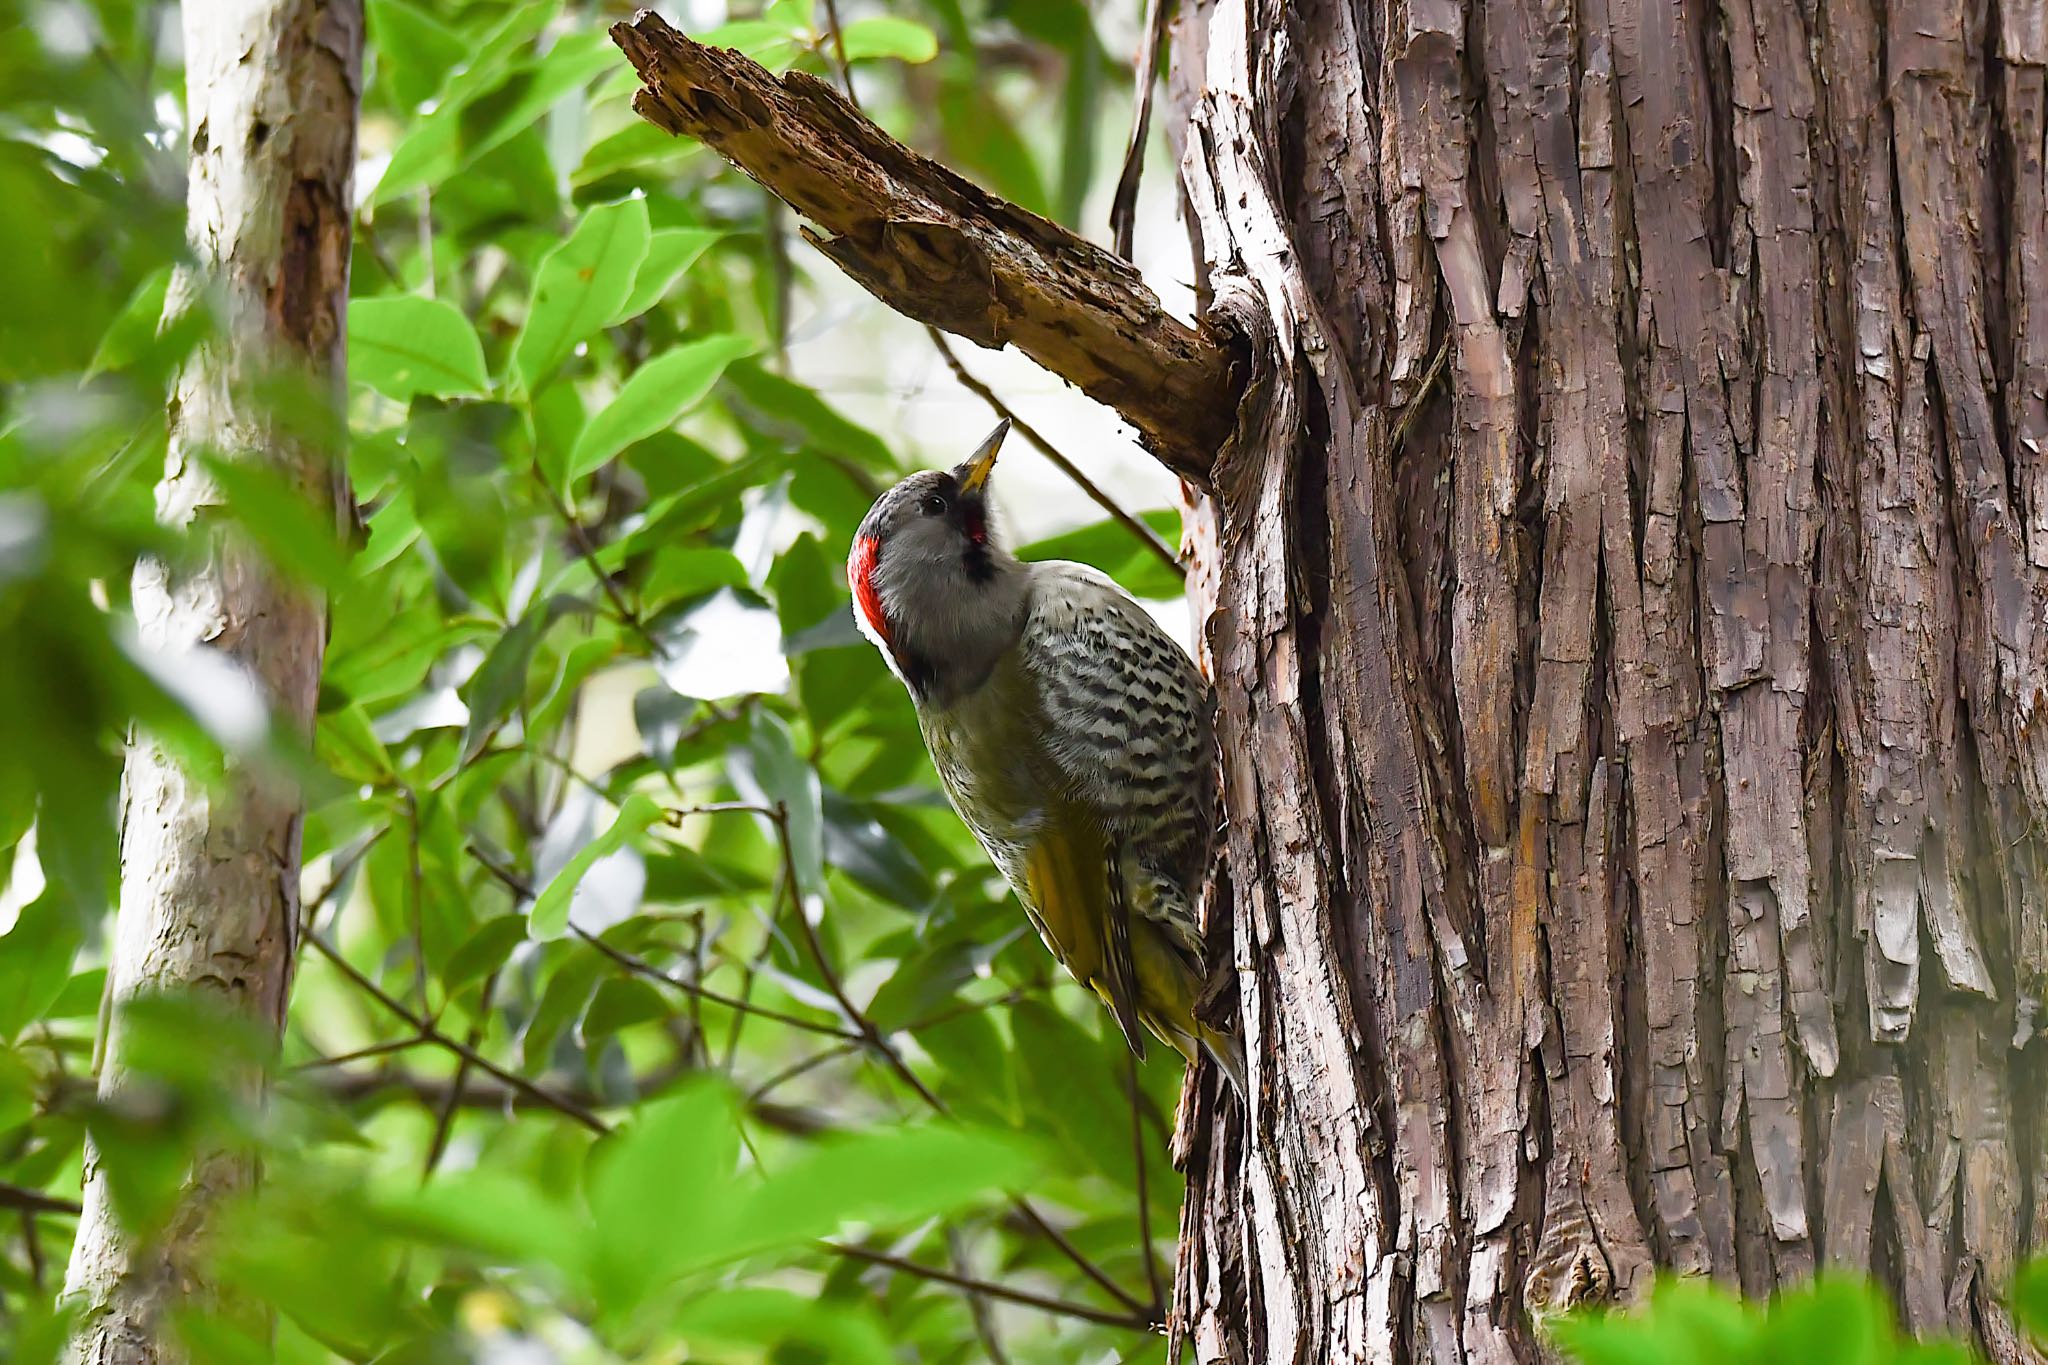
(651, 1001)
(1832, 1321)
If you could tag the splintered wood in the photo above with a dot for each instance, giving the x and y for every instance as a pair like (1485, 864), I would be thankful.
(940, 249)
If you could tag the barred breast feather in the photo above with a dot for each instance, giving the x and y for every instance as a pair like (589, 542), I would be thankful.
(1127, 720)
(1085, 766)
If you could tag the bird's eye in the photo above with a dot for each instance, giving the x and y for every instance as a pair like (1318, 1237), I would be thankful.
(933, 506)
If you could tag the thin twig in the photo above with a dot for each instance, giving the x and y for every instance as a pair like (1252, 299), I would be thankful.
(639, 966)
(588, 552)
(977, 1303)
(1148, 537)
(34, 1201)
(675, 815)
(362, 1054)
(1123, 209)
(839, 48)
(865, 1026)
(1135, 1320)
(444, 1121)
(700, 1046)
(415, 891)
(560, 1103)
(1152, 1276)
(343, 866)
(32, 1247)
(780, 275)
(799, 1068)
(894, 1060)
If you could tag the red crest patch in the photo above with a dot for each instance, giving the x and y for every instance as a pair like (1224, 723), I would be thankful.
(860, 576)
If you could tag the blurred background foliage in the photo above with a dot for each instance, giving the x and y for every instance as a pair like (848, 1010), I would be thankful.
(652, 1005)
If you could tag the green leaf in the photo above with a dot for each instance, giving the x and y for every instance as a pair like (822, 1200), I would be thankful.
(433, 148)
(808, 588)
(769, 771)
(349, 746)
(1067, 1077)
(1080, 122)
(403, 344)
(820, 1329)
(772, 43)
(970, 1051)
(1109, 546)
(132, 332)
(620, 1003)
(857, 844)
(579, 286)
(564, 999)
(684, 571)
(500, 681)
(903, 39)
(794, 413)
(636, 145)
(569, 66)
(549, 917)
(1833, 1320)
(691, 508)
(671, 1168)
(891, 1177)
(2030, 1297)
(414, 49)
(483, 952)
(485, 1210)
(657, 394)
(983, 143)
(1686, 1322)
(670, 252)
(35, 958)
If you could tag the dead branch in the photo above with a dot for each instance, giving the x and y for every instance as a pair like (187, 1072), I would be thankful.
(940, 249)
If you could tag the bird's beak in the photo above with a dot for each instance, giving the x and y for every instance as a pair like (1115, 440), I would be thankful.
(973, 473)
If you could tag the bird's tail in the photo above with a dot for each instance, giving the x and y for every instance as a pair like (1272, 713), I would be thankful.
(1228, 1050)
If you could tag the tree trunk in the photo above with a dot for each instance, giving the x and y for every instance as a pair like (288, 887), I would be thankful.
(210, 868)
(1615, 731)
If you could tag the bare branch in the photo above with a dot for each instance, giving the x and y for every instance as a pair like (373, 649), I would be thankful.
(940, 249)
(34, 1201)
(1145, 534)
(1123, 209)
(546, 1098)
(1135, 1321)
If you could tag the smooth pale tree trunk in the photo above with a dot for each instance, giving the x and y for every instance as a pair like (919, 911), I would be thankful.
(1635, 766)
(210, 870)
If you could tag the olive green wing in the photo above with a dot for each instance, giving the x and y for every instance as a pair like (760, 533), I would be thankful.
(1075, 897)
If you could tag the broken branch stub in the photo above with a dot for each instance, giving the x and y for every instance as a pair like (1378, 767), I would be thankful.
(940, 249)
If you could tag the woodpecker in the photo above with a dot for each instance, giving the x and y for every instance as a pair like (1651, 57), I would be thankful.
(1073, 735)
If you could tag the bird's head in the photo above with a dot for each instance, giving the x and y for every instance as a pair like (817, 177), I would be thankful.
(932, 587)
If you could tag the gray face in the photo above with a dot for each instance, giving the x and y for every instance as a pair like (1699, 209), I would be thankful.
(932, 587)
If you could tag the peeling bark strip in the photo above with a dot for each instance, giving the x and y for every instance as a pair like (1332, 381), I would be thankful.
(942, 250)
(210, 871)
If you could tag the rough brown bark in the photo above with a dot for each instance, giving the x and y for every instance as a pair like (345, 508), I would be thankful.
(1607, 758)
(939, 248)
(1634, 787)
(210, 868)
